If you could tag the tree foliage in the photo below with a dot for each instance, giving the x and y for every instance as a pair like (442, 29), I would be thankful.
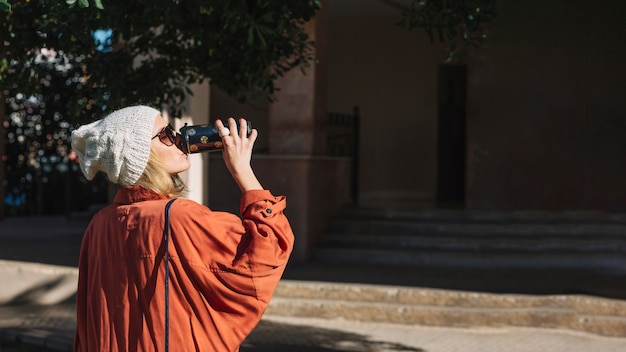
(157, 48)
(459, 23)
(37, 158)
(5, 6)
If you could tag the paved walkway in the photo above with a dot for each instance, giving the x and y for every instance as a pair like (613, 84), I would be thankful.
(341, 335)
(54, 240)
(51, 328)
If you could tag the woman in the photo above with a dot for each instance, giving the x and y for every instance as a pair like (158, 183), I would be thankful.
(222, 269)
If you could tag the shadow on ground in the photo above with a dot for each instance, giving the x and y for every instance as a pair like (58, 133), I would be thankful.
(537, 281)
(279, 337)
(268, 336)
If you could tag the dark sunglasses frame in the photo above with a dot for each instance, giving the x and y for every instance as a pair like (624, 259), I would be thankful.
(167, 135)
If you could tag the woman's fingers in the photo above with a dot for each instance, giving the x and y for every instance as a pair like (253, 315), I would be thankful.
(227, 128)
(243, 128)
(237, 152)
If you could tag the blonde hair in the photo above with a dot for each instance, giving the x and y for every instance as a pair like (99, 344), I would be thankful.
(156, 179)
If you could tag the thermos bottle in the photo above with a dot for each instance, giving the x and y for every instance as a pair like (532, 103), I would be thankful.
(202, 138)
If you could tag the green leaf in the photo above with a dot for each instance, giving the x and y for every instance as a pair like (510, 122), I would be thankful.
(98, 4)
(5, 6)
(267, 17)
(261, 38)
(250, 36)
(70, 2)
(83, 3)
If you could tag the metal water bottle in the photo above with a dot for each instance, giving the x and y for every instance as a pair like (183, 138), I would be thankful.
(202, 138)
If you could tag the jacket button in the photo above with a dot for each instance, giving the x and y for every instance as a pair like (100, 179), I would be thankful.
(268, 210)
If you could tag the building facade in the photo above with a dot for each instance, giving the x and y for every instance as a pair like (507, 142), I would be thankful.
(533, 120)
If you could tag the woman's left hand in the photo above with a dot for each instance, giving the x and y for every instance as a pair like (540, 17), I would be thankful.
(237, 152)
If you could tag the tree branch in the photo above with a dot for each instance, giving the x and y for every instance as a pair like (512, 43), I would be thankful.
(402, 6)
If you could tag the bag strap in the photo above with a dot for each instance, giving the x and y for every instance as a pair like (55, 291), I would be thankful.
(166, 259)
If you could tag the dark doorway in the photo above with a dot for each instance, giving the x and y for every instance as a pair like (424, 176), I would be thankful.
(451, 136)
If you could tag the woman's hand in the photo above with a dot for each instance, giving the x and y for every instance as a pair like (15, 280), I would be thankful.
(237, 153)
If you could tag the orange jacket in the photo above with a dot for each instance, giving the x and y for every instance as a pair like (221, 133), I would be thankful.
(223, 271)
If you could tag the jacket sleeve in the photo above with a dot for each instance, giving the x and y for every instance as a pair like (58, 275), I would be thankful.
(235, 261)
(270, 239)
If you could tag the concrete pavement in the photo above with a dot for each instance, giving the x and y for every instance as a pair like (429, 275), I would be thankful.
(51, 328)
(55, 240)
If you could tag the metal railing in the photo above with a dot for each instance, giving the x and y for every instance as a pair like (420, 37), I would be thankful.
(343, 140)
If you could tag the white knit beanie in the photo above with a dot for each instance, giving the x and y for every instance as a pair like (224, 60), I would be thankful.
(118, 145)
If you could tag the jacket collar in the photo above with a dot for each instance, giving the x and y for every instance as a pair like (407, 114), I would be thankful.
(133, 194)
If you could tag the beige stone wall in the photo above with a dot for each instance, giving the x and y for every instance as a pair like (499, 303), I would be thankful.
(546, 117)
(547, 108)
(391, 74)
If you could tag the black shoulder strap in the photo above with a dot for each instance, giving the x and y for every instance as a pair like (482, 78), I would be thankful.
(166, 259)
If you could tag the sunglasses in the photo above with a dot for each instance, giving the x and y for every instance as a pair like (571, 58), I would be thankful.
(167, 135)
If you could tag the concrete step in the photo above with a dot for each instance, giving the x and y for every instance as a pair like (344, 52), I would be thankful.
(409, 305)
(531, 242)
(484, 216)
(442, 238)
(474, 259)
(25, 283)
(494, 230)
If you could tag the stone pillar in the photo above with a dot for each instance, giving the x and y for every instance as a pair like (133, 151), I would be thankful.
(296, 165)
(297, 117)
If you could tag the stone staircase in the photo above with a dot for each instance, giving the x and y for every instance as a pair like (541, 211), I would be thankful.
(449, 308)
(466, 269)
(475, 239)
